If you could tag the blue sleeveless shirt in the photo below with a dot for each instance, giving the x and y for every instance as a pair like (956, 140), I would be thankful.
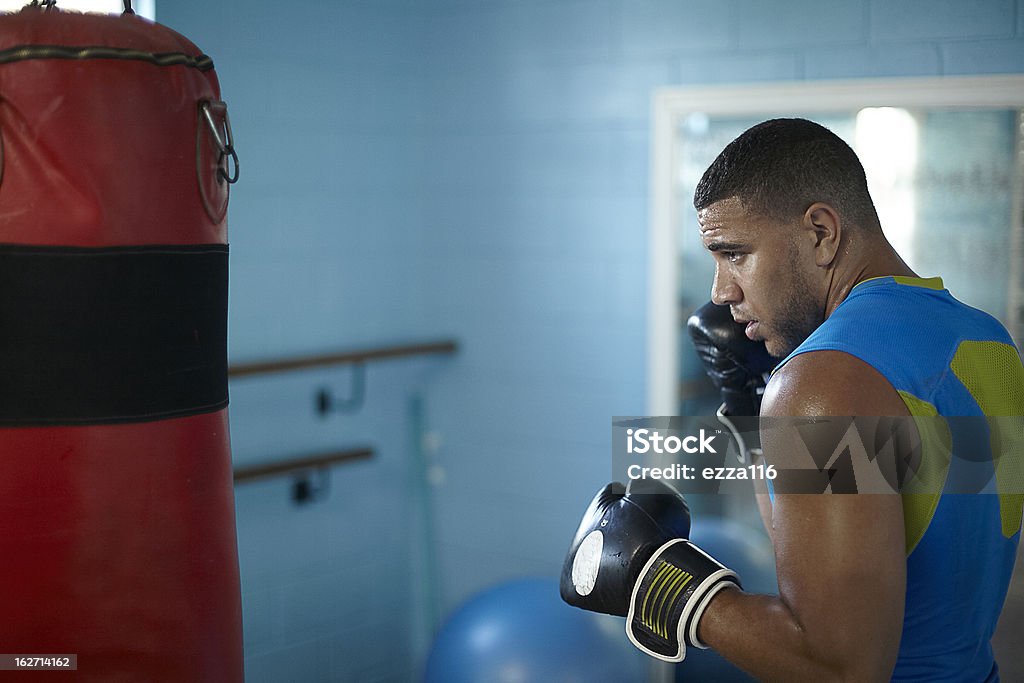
(945, 359)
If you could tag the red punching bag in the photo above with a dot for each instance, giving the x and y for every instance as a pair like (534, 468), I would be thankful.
(117, 528)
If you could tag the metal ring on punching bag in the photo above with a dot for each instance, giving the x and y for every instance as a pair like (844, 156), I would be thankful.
(215, 157)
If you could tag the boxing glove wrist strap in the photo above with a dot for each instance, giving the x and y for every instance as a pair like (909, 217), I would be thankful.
(674, 589)
(745, 431)
(745, 401)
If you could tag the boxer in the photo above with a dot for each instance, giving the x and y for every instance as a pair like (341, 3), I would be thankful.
(903, 587)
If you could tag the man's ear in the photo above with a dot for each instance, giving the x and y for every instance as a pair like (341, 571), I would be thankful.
(822, 222)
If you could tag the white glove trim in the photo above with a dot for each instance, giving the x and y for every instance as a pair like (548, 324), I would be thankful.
(741, 446)
(706, 600)
(693, 609)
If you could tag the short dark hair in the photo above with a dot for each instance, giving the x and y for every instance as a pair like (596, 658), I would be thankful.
(780, 167)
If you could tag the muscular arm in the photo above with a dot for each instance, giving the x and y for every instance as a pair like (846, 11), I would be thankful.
(840, 559)
(764, 503)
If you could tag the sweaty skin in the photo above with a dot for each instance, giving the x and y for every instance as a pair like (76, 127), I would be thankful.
(840, 559)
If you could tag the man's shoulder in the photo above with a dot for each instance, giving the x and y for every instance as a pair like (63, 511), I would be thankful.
(829, 382)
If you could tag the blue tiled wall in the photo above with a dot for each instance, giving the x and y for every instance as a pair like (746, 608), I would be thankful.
(326, 237)
(474, 168)
(540, 137)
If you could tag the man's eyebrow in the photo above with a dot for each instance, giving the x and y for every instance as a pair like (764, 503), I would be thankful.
(723, 246)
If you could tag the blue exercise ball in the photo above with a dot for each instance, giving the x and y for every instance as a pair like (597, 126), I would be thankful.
(748, 552)
(522, 632)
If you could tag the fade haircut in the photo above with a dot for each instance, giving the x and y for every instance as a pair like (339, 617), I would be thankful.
(780, 167)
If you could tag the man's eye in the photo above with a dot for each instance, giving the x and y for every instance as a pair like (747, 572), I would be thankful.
(732, 256)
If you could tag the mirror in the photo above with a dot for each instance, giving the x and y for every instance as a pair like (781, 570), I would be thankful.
(945, 166)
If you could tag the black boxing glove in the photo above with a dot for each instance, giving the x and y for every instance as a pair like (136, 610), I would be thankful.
(738, 367)
(630, 558)
(735, 363)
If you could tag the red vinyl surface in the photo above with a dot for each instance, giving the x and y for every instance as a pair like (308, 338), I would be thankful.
(102, 152)
(117, 542)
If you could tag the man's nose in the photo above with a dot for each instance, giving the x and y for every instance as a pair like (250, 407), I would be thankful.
(724, 291)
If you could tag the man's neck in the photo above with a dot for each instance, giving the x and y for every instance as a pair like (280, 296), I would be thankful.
(881, 262)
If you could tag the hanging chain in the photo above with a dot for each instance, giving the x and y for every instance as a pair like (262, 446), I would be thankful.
(50, 4)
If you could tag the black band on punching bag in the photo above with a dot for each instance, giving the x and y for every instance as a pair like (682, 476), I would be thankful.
(109, 335)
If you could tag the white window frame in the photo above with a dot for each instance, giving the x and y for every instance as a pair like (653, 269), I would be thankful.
(671, 105)
(144, 8)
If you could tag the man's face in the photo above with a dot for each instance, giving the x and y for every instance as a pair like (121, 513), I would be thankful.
(763, 273)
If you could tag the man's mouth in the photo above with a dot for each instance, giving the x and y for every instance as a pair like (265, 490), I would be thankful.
(749, 324)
